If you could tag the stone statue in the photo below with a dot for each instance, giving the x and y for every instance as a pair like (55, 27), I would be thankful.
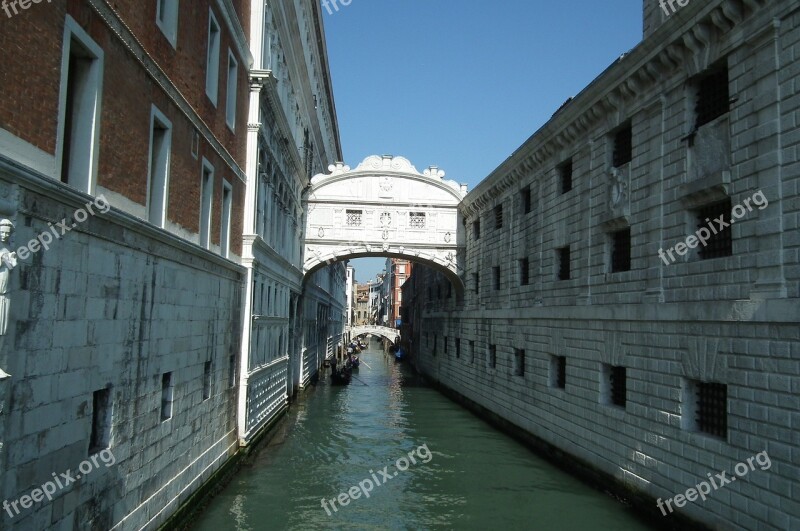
(8, 261)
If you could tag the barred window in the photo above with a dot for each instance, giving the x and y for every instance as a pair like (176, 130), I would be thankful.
(476, 230)
(562, 256)
(498, 217)
(713, 95)
(525, 199)
(558, 372)
(519, 362)
(496, 277)
(712, 408)
(617, 386)
(621, 250)
(524, 272)
(417, 220)
(354, 218)
(458, 348)
(476, 282)
(492, 356)
(720, 243)
(623, 145)
(565, 176)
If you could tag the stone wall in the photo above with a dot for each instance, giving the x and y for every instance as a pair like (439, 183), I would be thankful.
(674, 326)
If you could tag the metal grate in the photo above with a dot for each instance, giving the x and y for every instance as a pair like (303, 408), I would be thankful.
(621, 253)
(525, 199)
(519, 362)
(623, 146)
(712, 408)
(563, 264)
(524, 272)
(354, 218)
(498, 217)
(720, 244)
(713, 96)
(417, 220)
(560, 367)
(618, 386)
(565, 173)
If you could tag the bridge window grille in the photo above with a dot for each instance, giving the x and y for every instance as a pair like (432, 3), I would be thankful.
(498, 217)
(524, 272)
(558, 372)
(712, 408)
(720, 244)
(519, 362)
(354, 218)
(563, 263)
(713, 95)
(417, 220)
(621, 250)
(565, 176)
(623, 146)
(492, 356)
(618, 386)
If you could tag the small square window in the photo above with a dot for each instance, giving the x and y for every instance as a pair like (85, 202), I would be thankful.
(563, 264)
(492, 360)
(623, 145)
(354, 218)
(621, 250)
(519, 362)
(524, 272)
(417, 220)
(705, 407)
(525, 199)
(565, 176)
(558, 372)
(614, 385)
(498, 217)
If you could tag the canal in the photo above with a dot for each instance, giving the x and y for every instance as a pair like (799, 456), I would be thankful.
(388, 452)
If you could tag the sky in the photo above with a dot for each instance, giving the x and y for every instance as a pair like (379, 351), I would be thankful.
(461, 85)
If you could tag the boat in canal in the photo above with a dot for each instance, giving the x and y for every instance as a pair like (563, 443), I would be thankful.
(341, 375)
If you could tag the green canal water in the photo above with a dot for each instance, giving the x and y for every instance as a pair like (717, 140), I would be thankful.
(337, 438)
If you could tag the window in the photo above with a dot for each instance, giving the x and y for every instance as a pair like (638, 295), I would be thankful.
(613, 386)
(230, 93)
(207, 380)
(416, 220)
(623, 145)
(354, 218)
(225, 230)
(524, 272)
(720, 243)
(706, 407)
(621, 250)
(101, 421)
(167, 392)
(212, 58)
(713, 95)
(519, 362)
(206, 195)
(231, 371)
(498, 217)
(476, 282)
(158, 182)
(458, 348)
(492, 361)
(496, 277)
(558, 372)
(445, 344)
(525, 200)
(476, 229)
(562, 263)
(167, 19)
(81, 91)
(565, 176)
(472, 352)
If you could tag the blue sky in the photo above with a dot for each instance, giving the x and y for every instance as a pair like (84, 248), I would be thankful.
(463, 84)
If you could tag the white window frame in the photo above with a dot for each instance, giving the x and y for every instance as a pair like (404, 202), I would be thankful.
(212, 57)
(73, 31)
(231, 91)
(206, 203)
(156, 116)
(167, 19)
(225, 220)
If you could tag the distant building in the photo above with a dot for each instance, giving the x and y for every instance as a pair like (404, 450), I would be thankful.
(398, 270)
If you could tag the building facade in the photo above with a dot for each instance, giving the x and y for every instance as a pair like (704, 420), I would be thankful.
(153, 316)
(631, 283)
(398, 270)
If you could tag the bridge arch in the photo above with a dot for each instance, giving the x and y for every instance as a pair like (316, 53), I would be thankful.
(385, 207)
(388, 333)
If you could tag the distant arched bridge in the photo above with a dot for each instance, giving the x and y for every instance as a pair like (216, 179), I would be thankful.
(384, 331)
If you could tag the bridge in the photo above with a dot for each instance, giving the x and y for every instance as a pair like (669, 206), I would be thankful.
(385, 207)
(384, 331)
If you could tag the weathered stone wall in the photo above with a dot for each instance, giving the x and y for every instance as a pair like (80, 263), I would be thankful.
(113, 304)
(729, 320)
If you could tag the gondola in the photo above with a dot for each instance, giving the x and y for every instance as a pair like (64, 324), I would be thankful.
(341, 375)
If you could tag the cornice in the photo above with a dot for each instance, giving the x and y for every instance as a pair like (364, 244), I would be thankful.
(231, 18)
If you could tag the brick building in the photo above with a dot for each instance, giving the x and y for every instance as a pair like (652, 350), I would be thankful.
(576, 333)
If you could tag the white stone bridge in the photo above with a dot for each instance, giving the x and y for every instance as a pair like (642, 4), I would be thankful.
(385, 207)
(384, 331)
